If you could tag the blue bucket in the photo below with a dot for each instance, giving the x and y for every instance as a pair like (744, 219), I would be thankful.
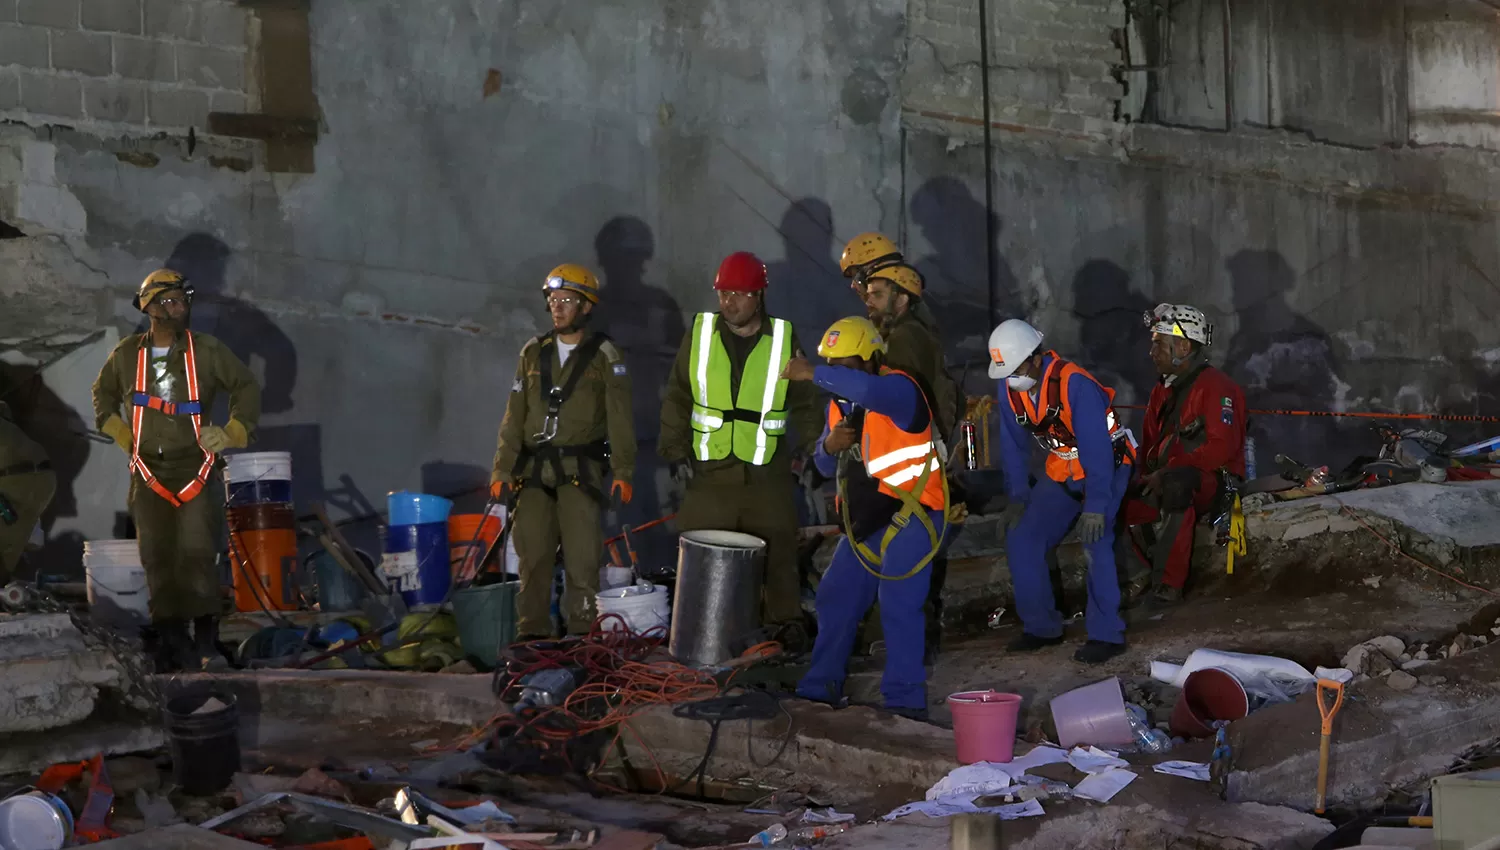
(337, 590)
(243, 493)
(416, 562)
(256, 477)
(406, 508)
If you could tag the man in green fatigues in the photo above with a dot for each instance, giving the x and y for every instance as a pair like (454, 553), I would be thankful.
(724, 423)
(166, 381)
(892, 294)
(567, 423)
(27, 483)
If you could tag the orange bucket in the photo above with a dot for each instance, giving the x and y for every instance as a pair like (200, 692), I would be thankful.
(262, 554)
(469, 537)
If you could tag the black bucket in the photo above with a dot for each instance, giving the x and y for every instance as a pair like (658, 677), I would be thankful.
(205, 747)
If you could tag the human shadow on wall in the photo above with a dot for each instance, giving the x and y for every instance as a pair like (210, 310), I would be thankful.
(806, 287)
(467, 485)
(646, 322)
(241, 326)
(1115, 343)
(958, 228)
(44, 417)
(1284, 361)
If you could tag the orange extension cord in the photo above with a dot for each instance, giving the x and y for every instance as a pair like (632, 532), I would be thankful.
(619, 673)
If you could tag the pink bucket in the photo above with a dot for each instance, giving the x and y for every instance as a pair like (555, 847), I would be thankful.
(984, 725)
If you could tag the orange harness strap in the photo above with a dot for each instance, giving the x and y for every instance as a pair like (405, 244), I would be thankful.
(137, 416)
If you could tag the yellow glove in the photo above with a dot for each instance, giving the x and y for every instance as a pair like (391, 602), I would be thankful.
(117, 430)
(215, 439)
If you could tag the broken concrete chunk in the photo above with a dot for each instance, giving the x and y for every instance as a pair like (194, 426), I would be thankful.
(1432, 680)
(156, 811)
(1421, 656)
(1479, 640)
(1461, 643)
(1415, 663)
(320, 784)
(1391, 645)
(1317, 525)
(1401, 680)
(1403, 659)
(1369, 660)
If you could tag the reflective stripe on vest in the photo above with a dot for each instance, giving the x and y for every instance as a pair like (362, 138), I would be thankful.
(1050, 419)
(754, 418)
(192, 407)
(897, 458)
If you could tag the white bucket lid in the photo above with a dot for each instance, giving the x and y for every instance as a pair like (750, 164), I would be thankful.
(32, 822)
(111, 546)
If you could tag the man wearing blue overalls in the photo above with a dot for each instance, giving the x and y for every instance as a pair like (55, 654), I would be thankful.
(1089, 460)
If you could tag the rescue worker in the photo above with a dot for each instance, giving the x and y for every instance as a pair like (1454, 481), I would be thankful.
(27, 484)
(879, 440)
(725, 422)
(567, 426)
(166, 381)
(1088, 468)
(1194, 432)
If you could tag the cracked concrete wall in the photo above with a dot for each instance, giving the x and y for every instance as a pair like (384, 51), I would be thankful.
(466, 147)
(1351, 274)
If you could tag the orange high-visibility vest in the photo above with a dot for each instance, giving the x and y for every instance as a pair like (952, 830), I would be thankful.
(897, 458)
(1050, 420)
(192, 407)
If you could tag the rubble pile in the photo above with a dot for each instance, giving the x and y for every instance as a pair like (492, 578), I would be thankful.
(1392, 659)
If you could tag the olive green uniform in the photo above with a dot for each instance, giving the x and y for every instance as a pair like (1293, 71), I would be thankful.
(732, 495)
(27, 483)
(913, 347)
(553, 507)
(179, 545)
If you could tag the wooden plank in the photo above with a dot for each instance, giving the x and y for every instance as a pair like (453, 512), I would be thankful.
(243, 125)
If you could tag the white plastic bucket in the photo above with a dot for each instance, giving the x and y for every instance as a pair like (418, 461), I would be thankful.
(641, 609)
(117, 589)
(259, 466)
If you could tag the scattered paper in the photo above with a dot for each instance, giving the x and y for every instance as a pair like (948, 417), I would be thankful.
(1338, 674)
(1186, 769)
(487, 811)
(214, 704)
(1037, 757)
(826, 816)
(1094, 760)
(949, 806)
(971, 780)
(1103, 786)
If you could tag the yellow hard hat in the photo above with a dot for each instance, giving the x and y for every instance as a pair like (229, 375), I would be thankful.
(158, 282)
(855, 336)
(574, 277)
(867, 249)
(900, 275)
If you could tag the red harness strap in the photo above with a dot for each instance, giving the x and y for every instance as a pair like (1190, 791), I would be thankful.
(138, 407)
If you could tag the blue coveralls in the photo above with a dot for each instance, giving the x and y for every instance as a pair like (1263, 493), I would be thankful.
(1053, 507)
(848, 590)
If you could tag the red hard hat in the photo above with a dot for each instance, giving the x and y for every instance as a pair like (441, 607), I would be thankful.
(741, 271)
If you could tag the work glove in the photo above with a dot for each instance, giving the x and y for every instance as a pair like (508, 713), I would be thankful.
(1090, 527)
(500, 491)
(621, 492)
(1177, 486)
(682, 471)
(214, 439)
(117, 430)
(1012, 516)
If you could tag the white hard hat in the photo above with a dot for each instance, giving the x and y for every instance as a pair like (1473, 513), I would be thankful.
(1181, 320)
(1010, 345)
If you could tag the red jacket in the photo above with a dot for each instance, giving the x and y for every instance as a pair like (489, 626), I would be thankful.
(1215, 401)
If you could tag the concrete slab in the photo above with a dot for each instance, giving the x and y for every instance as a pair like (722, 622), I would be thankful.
(179, 837)
(52, 678)
(30, 753)
(1460, 513)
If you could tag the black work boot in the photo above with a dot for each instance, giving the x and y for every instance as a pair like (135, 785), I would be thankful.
(206, 645)
(1098, 652)
(171, 645)
(1028, 642)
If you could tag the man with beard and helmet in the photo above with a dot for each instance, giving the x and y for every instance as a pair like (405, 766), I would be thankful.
(1194, 433)
(165, 382)
(567, 424)
(1089, 460)
(866, 253)
(725, 422)
(879, 441)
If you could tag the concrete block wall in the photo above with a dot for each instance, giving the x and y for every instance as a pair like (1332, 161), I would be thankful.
(1052, 62)
(123, 66)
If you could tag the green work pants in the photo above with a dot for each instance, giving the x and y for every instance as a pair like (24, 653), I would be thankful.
(541, 522)
(28, 495)
(180, 548)
(760, 504)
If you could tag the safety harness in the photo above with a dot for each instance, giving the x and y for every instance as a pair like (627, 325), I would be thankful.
(545, 453)
(1051, 433)
(931, 461)
(192, 407)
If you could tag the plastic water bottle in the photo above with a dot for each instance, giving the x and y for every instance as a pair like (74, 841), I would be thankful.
(818, 833)
(1147, 740)
(1250, 459)
(770, 836)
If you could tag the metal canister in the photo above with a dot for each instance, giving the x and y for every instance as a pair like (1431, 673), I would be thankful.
(971, 448)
